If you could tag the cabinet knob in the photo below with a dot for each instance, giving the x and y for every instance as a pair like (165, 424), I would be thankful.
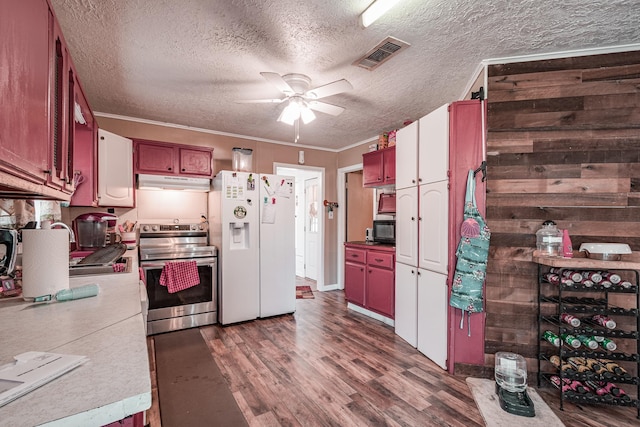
(183, 169)
(419, 274)
(168, 169)
(361, 268)
(47, 171)
(413, 181)
(378, 260)
(419, 218)
(413, 218)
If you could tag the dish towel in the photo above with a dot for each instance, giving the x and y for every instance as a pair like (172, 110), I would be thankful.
(178, 276)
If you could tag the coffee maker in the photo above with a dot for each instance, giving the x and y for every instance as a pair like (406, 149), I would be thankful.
(91, 230)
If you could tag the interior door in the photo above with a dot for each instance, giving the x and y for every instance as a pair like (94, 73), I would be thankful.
(300, 221)
(358, 199)
(312, 227)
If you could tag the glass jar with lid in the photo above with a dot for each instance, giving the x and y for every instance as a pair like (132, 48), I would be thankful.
(549, 239)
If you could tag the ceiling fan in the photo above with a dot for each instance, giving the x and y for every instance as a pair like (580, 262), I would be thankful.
(301, 99)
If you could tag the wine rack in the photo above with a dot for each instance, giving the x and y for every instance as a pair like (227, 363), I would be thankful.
(582, 374)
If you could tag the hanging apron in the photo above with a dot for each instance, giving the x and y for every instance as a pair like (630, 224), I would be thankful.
(472, 253)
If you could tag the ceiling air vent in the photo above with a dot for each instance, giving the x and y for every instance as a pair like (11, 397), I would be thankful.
(384, 51)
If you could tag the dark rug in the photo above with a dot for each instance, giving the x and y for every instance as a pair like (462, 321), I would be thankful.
(191, 388)
(304, 292)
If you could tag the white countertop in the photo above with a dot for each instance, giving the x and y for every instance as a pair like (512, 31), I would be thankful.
(108, 328)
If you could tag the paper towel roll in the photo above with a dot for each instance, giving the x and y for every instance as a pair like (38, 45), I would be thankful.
(45, 262)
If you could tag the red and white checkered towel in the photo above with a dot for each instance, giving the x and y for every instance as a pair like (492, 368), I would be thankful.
(178, 276)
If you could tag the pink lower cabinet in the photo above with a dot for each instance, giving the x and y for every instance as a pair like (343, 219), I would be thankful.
(370, 278)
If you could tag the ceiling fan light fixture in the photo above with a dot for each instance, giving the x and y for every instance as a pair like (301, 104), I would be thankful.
(307, 115)
(290, 114)
(375, 11)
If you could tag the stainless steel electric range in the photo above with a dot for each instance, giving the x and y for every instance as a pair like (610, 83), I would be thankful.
(196, 306)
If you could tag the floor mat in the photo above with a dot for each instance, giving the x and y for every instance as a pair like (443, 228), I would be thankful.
(304, 292)
(484, 393)
(191, 388)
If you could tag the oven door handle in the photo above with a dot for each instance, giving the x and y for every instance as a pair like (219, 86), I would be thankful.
(146, 265)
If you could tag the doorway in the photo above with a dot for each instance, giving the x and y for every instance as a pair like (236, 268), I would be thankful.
(309, 220)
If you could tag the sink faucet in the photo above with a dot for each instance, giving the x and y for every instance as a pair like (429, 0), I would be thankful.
(72, 237)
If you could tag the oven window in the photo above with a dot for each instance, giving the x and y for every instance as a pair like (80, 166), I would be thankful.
(159, 296)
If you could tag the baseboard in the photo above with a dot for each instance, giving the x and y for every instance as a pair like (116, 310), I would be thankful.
(376, 316)
(325, 288)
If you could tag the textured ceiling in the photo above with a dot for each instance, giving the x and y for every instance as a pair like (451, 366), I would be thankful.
(186, 62)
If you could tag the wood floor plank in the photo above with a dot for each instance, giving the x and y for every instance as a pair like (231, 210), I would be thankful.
(328, 366)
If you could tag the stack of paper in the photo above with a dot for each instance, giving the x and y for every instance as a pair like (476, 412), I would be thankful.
(32, 369)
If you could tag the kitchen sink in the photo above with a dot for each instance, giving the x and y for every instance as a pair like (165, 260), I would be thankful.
(122, 265)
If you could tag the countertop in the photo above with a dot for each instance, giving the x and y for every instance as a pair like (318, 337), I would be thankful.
(372, 245)
(109, 329)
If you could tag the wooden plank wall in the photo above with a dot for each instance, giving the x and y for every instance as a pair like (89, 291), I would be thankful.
(563, 144)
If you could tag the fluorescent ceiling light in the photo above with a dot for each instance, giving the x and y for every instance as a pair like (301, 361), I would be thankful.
(375, 11)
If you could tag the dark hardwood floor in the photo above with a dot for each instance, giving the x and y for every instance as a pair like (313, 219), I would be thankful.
(328, 366)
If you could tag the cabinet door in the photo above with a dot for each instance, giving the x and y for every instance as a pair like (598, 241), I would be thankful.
(196, 162)
(433, 232)
(406, 303)
(115, 170)
(354, 279)
(407, 226)
(62, 106)
(432, 316)
(85, 160)
(154, 158)
(24, 110)
(389, 166)
(379, 294)
(433, 152)
(406, 157)
(372, 168)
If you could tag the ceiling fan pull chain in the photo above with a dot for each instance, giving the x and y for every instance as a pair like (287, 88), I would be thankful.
(297, 128)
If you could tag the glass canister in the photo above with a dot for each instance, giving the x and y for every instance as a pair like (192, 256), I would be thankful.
(549, 239)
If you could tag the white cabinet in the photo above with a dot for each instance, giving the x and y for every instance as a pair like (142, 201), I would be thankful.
(432, 316)
(422, 322)
(422, 150)
(406, 158)
(433, 231)
(115, 170)
(433, 150)
(406, 324)
(407, 226)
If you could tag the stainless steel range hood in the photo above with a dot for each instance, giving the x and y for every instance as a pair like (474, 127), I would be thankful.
(166, 182)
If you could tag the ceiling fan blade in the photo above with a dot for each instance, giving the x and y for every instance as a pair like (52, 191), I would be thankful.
(329, 89)
(260, 101)
(277, 80)
(323, 107)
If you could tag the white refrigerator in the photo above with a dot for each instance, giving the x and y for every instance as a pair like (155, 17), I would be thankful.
(252, 222)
